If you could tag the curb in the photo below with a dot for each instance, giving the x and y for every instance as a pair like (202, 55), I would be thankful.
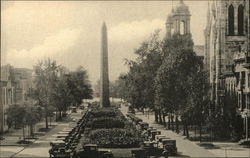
(19, 145)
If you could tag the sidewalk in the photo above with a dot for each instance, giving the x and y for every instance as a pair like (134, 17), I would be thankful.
(14, 135)
(184, 147)
(221, 149)
(191, 148)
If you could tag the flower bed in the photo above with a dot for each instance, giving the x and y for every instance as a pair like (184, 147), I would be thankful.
(105, 118)
(108, 128)
(116, 137)
(103, 112)
(105, 122)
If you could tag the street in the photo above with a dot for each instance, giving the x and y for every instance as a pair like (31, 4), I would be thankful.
(185, 147)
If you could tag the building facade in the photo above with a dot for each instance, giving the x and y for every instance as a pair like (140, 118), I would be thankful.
(14, 85)
(227, 56)
(23, 80)
(7, 95)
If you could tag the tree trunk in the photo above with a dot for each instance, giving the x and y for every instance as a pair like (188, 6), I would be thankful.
(50, 120)
(195, 131)
(169, 122)
(187, 131)
(177, 124)
(164, 120)
(60, 115)
(156, 116)
(46, 117)
(23, 133)
(184, 129)
(56, 116)
(200, 128)
(160, 119)
(31, 131)
(172, 122)
(15, 125)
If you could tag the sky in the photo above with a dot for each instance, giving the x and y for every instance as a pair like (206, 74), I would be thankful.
(70, 31)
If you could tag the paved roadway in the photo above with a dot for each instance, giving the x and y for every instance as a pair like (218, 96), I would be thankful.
(185, 148)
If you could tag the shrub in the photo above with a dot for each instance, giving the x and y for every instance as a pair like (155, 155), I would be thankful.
(105, 118)
(108, 127)
(106, 122)
(103, 112)
(116, 137)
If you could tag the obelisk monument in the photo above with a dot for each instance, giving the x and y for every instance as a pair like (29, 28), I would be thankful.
(104, 80)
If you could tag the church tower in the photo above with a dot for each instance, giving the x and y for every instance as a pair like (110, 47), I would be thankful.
(178, 22)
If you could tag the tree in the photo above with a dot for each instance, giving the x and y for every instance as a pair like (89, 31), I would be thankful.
(32, 116)
(164, 93)
(172, 79)
(61, 98)
(198, 100)
(137, 83)
(16, 114)
(24, 114)
(46, 73)
(79, 86)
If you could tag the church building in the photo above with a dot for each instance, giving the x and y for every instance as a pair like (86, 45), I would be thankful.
(227, 57)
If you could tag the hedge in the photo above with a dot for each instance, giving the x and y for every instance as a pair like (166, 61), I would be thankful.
(111, 138)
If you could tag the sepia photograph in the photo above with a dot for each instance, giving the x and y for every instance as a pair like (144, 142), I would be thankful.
(125, 78)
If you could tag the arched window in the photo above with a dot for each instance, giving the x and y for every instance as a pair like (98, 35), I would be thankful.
(182, 28)
(241, 20)
(231, 20)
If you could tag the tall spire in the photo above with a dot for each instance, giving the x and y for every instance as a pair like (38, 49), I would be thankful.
(104, 25)
(104, 76)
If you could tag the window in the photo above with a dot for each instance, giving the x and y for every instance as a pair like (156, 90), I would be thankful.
(241, 20)
(243, 79)
(243, 101)
(231, 20)
(182, 28)
(248, 79)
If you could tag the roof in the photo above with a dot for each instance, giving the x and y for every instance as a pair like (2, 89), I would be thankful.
(199, 50)
(181, 8)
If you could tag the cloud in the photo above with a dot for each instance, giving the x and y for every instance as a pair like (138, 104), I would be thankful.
(52, 46)
(127, 36)
(135, 30)
(32, 30)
